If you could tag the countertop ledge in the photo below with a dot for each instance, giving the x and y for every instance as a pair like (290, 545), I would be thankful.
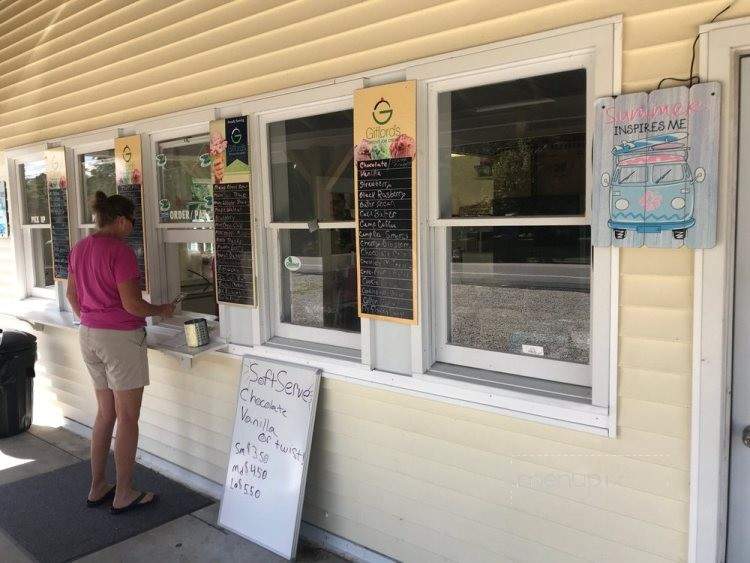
(41, 312)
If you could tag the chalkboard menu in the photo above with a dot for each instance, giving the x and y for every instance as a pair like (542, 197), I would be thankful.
(235, 281)
(136, 239)
(385, 130)
(386, 238)
(60, 227)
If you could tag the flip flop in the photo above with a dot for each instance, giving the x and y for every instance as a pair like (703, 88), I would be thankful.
(135, 504)
(109, 495)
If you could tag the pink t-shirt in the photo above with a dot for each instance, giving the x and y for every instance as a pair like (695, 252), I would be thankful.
(98, 263)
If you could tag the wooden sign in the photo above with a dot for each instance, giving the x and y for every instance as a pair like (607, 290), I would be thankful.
(269, 453)
(655, 168)
(4, 221)
(229, 150)
(386, 204)
(129, 177)
(233, 226)
(57, 196)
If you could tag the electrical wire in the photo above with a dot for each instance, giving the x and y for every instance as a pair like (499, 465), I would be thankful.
(692, 76)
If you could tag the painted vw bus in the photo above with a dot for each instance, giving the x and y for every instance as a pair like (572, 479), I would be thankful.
(652, 188)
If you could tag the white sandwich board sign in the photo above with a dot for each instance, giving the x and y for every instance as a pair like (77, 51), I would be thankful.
(269, 453)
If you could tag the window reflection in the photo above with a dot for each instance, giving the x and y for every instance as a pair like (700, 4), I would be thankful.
(36, 203)
(514, 148)
(191, 268)
(312, 170)
(98, 174)
(41, 240)
(512, 287)
(183, 172)
(319, 278)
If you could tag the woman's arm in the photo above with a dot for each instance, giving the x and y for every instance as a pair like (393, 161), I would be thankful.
(133, 303)
(72, 295)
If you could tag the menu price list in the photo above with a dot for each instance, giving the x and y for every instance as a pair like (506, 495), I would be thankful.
(60, 230)
(267, 440)
(385, 223)
(136, 239)
(234, 244)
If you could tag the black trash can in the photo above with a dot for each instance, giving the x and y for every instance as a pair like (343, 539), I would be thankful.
(17, 357)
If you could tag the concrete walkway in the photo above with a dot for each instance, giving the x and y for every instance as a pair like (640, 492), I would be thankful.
(195, 537)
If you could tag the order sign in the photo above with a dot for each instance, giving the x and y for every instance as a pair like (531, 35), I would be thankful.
(269, 452)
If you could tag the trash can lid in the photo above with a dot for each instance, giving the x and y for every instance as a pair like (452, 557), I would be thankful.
(15, 341)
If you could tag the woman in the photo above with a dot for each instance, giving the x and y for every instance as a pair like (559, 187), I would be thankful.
(104, 291)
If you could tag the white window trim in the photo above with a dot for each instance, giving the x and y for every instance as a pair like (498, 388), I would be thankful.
(721, 44)
(22, 231)
(314, 105)
(166, 233)
(598, 49)
(542, 368)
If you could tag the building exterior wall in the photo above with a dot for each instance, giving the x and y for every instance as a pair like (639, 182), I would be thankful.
(413, 478)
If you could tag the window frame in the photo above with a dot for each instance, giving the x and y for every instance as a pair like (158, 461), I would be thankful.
(517, 364)
(79, 150)
(172, 135)
(27, 273)
(273, 228)
(167, 233)
(596, 48)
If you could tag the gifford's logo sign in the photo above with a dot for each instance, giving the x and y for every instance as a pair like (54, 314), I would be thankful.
(382, 112)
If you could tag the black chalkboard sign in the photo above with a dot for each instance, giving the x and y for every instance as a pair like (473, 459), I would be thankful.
(60, 230)
(385, 227)
(137, 238)
(235, 282)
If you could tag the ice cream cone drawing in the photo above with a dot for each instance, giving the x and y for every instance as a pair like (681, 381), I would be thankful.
(217, 148)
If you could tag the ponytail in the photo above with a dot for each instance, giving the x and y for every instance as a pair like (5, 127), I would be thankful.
(108, 208)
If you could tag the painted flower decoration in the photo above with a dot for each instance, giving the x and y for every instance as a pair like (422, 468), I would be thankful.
(63, 182)
(380, 149)
(403, 146)
(650, 201)
(136, 176)
(217, 145)
(363, 151)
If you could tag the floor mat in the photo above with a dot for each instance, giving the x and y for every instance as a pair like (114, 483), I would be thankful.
(48, 517)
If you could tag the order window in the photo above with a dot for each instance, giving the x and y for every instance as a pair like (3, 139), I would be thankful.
(36, 223)
(311, 173)
(183, 172)
(516, 246)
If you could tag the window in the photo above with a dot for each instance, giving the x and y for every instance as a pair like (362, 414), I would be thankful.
(183, 170)
(513, 237)
(185, 201)
(36, 224)
(190, 271)
(97, 173)
(311, 228)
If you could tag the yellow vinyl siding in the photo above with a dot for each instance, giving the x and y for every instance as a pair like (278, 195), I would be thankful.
(416, 479)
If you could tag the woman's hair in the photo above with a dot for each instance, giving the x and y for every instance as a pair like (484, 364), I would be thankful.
(108, 208)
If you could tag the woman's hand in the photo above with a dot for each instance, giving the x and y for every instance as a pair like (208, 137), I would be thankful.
(166, 310)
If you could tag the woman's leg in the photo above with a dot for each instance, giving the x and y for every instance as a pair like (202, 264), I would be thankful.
(101, 440)
(128, 409)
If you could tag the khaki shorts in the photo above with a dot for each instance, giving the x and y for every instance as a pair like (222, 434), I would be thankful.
(116, 359)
